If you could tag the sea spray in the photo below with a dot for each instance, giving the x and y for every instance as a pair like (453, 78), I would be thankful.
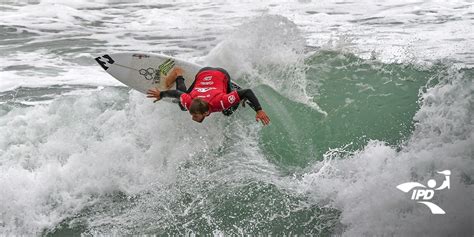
(267, 50)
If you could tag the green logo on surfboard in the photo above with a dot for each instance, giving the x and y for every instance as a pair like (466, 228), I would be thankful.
(166, 66)
(163, 70)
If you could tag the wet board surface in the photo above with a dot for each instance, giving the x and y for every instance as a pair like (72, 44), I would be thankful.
(142, 71)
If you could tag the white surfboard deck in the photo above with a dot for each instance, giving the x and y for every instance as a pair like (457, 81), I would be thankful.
(144, 71)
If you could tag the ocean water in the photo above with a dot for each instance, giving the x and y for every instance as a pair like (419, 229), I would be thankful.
(362, 96)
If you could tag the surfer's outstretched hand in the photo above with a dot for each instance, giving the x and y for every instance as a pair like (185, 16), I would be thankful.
(263, 117)
(154, 93)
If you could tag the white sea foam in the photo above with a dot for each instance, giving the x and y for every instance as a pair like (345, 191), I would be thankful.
(57, 158)
(392, 32)
(267, 50)
(49, 70)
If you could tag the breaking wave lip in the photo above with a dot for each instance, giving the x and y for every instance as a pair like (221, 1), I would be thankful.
(277, 61)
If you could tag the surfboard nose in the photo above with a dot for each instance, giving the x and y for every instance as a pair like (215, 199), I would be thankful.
(104, 61)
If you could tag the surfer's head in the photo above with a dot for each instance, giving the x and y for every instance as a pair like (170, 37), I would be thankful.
(199, 109)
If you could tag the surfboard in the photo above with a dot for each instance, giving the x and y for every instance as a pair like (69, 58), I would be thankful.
(142, 71)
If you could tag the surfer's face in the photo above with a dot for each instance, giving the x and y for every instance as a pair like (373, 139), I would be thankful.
(198, 117)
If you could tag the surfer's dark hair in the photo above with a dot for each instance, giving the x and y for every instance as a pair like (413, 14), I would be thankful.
(198, 106)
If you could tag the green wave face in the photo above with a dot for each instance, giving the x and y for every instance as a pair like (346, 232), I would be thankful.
(364, 99)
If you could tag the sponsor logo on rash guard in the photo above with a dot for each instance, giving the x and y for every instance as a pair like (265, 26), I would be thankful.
(207, 83)
(231, 99)
(202, 90)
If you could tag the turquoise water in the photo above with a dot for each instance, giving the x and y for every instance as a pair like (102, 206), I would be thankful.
(365, 100)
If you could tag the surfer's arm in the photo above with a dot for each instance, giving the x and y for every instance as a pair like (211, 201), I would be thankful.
(247, 94)
(171, 94)
(158, 95)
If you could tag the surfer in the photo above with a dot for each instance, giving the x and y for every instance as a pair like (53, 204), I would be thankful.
(210, 92)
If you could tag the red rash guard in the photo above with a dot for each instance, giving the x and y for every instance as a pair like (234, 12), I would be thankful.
(211, 86)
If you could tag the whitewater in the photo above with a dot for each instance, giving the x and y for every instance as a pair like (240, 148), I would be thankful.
(363, 96)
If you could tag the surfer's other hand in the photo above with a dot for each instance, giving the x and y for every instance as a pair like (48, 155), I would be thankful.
(154, 93)
(263, 117)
